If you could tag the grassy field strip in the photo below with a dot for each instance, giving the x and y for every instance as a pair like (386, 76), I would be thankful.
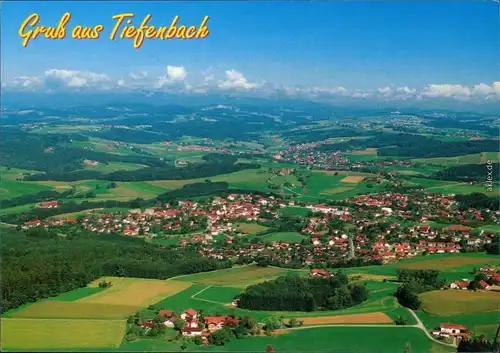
(52, 309)
(453, 302)
(134, 291)
(48, 334)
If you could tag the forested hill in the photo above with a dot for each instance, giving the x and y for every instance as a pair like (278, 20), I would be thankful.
(40, 263)
(414, 146)
(215, 164)
(28, 151)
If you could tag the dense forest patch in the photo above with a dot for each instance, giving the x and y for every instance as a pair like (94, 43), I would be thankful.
(44, 263)
(294, 293)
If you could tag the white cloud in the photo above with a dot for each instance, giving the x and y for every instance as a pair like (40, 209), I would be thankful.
(56, 78)
(175, 80)
(138, 75)
(482, 89)
(236, 80)
(25, 82)
(175, 74)
(446, 91)
(209, 78)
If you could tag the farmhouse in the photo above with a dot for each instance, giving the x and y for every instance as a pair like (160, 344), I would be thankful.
(192, 331)
(90, 162)
(215, 323)
(33, 223)
(452, 330)
(320, 273)
(459, 284)
(169, 317)
(189, 314)
(48, 204)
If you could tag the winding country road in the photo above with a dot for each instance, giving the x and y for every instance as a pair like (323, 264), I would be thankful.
(421, 326)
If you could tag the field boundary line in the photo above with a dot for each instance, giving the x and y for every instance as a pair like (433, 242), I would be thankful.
(201, 291)
(191, 274)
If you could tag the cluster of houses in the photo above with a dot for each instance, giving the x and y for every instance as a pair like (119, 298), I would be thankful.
(193, 323)
(386, 227)
(307, 154)
(213, 219)
(491, 274)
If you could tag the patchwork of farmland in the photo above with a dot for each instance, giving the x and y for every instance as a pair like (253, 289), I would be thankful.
(101, 313)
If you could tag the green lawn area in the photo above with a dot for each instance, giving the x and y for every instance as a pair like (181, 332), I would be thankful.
(48, 334)
(318, 182)
(13, 188)
(18, 209)
(79, 293)
(339, 339)
(219, 294)
(15, 173)
(295, 210)
(250, 228)
(330, 187)
(292, 237)
(113, 167)
(325, 339)
(55, 309)
(456, 302)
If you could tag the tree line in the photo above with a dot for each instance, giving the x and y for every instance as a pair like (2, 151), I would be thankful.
(41, 263)
(477, 200)
(468, 172)
(415, 282)
(295, 293)
(412, 145)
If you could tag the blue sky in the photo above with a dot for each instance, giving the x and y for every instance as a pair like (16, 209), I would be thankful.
(360, 46)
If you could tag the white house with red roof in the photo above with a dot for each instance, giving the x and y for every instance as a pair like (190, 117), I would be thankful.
(452, 330)
(459, 284)
(48, 204)
(192, 331)
(320, 273)
(189, 314)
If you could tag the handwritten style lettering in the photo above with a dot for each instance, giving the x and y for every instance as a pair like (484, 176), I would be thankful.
(32, 20)
(138, 34)
(123, 29)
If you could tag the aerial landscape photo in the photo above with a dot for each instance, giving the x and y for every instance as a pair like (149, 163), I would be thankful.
(250, 176)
